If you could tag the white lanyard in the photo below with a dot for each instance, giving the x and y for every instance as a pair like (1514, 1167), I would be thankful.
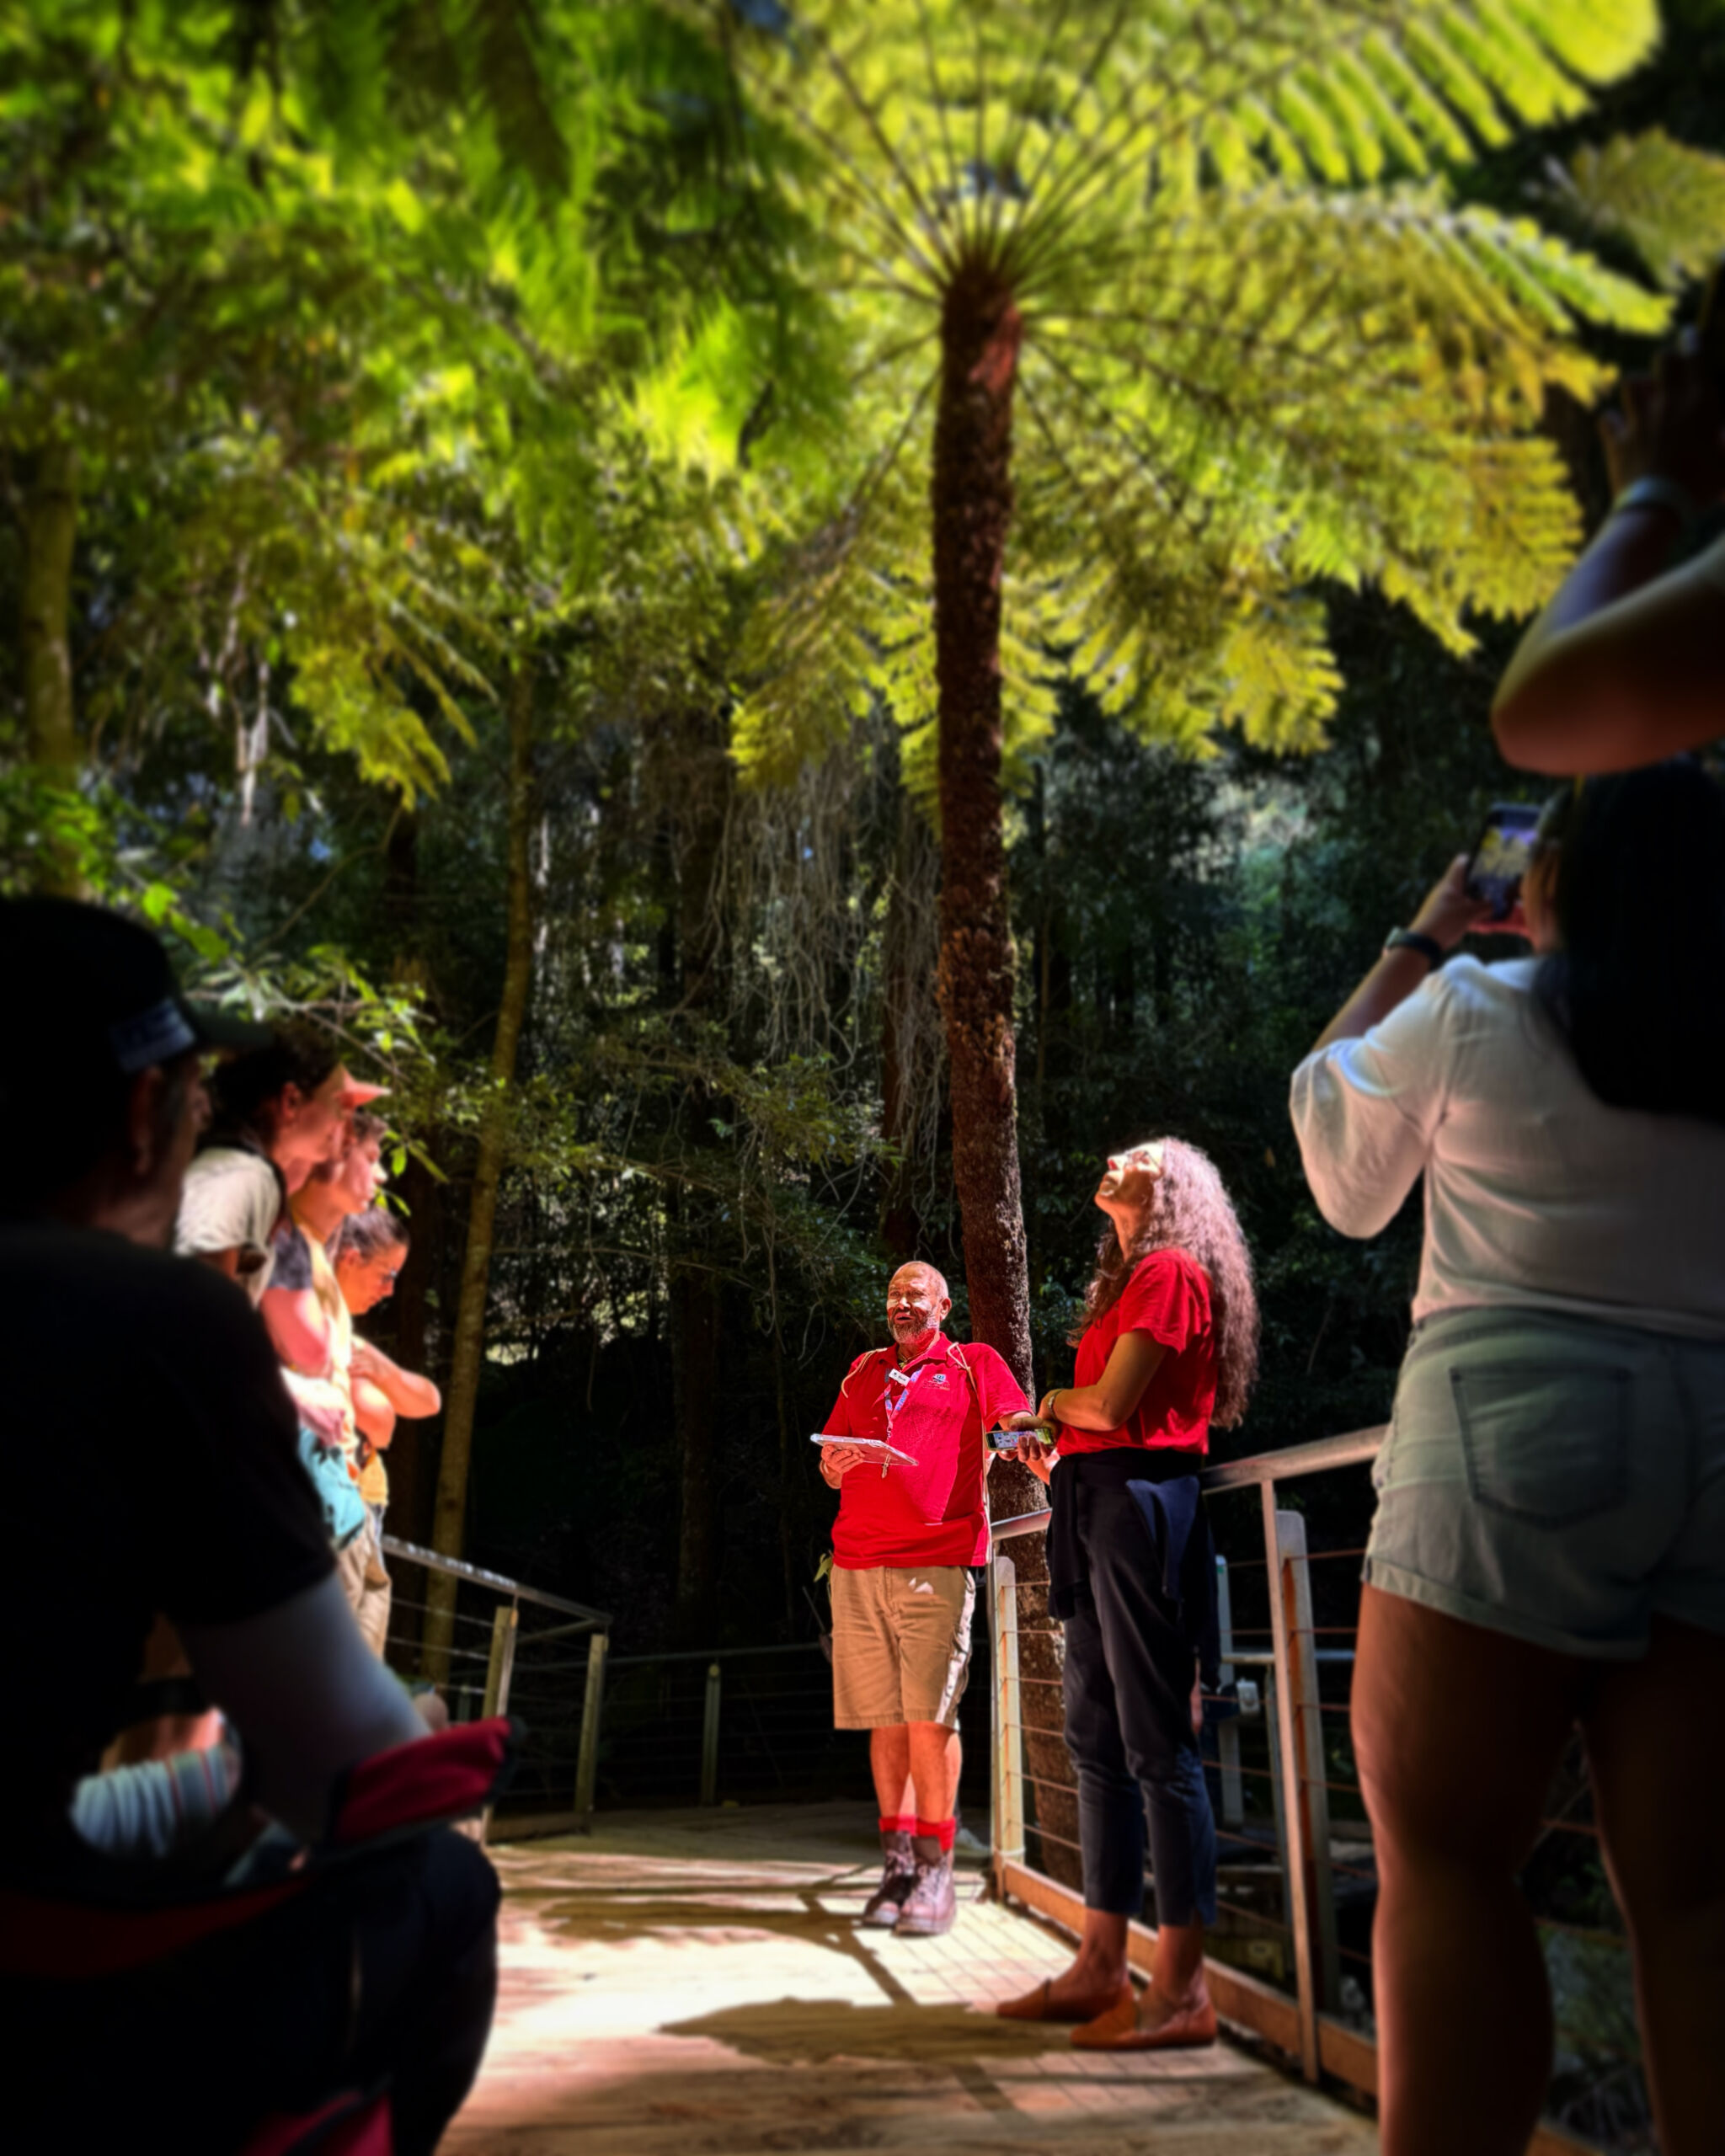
(892, 1402)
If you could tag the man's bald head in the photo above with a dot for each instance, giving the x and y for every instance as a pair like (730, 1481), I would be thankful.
(917, 1300)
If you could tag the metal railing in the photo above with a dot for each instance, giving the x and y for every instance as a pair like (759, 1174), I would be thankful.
(725, 1725)
(1289, 1957)
(514, 1649)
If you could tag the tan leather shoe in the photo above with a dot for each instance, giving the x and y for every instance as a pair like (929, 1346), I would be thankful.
(1041, 2004)
(1118, 2030)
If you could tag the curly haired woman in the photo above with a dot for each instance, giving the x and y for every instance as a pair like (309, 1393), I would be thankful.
(1168, 1346)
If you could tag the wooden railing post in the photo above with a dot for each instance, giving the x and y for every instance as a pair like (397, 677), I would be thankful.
(709, 1738)
(592, 1707)
(1293, 1812)
(1007, 1820)
(1312, 1794)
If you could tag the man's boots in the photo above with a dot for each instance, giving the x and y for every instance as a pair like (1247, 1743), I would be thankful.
(897, 1878)
(932, 1902)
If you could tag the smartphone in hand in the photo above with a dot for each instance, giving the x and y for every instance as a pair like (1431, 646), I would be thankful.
(1500, 858)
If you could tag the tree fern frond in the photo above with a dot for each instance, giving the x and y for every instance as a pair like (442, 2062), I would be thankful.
(1666, 199)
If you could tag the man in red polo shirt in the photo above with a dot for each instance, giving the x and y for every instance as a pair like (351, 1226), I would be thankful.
(903, 1543)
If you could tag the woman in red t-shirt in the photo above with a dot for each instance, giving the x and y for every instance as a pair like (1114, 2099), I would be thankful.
(1169, 1346)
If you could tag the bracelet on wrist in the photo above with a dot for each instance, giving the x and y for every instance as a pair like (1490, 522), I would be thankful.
(1415, 939)
(1653, 490)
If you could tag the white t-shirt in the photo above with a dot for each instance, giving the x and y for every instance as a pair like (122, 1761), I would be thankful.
(1536, 1194)
(232, 1199)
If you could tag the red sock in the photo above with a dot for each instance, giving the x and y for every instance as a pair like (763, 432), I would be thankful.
(939, 1830)
(905, 1823)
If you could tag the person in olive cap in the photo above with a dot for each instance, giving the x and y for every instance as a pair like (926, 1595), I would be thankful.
(146, 1388)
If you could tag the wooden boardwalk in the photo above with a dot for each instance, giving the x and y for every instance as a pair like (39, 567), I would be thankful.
(696, 1984)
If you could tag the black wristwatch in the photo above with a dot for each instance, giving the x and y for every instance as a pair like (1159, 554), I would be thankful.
(1413, 939)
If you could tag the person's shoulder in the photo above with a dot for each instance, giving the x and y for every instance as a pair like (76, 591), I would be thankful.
(1169, 1264)
(979, 1355)
(223, 1160)
(117, 1282)
(1469, 996)
(868, 1355)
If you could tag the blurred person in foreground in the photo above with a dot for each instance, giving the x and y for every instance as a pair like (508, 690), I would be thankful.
(1168, 1346)
(1549, 1545)
(1627, 663)
(191, 1501)
(369, 1250)
(904, 1544)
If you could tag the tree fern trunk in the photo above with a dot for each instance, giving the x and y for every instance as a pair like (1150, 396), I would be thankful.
(449, 1519)
(973, 508)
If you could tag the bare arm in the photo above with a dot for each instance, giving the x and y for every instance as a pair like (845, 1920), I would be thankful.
(1447, 915)
(373, 1416)
(298, 1327)
(308, 1696)
(1110, 1401)
(1625, 666)
(407, 1391)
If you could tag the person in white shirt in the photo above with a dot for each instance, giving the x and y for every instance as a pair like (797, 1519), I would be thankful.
(1549, 1545)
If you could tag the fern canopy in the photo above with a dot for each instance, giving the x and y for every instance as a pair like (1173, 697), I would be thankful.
(1265, 343)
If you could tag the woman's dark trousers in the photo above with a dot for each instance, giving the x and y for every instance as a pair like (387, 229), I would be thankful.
(1130, 1672)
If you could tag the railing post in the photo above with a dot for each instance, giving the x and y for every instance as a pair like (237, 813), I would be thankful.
(709, 1739)
(503, 1655)
(592, 1707)
(504, 1622)
(1312, 1795)
(1007, 1819)
(1228, 1733)
(1293, 1812)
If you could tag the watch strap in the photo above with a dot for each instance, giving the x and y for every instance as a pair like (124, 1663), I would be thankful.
(1413, 939)
(1653, 490)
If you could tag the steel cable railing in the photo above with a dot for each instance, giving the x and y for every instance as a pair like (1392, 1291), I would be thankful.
(1290, 1955)
(513, 1649)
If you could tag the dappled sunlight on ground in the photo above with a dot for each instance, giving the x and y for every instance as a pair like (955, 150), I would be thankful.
(697, 1983)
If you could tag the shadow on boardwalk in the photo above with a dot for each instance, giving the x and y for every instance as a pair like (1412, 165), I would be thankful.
(694, 1983)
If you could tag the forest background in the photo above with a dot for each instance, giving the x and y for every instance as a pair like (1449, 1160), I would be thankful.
(431, 437)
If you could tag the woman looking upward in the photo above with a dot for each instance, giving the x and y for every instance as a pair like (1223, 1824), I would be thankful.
(1549, 1545)
(1168, 1346)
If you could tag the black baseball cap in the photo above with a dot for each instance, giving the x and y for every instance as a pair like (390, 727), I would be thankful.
(95, 987)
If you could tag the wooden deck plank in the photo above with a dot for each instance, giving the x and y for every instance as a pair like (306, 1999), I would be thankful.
(696, 1984)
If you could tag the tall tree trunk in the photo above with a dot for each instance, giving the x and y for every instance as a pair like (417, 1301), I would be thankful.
(413, 1458)
(449, 1519)
(910, 1067)
(50, 532)
(973, 506)
(704, 779)
(695, 1333)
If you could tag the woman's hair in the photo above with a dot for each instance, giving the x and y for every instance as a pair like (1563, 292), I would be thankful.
(1637, 987)
(1191, 1212)
(366, 1236)
(245, 1092)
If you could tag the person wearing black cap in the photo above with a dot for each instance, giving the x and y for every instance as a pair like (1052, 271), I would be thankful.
(177, 1442)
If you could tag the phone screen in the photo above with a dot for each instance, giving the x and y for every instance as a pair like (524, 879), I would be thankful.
(1500, 859)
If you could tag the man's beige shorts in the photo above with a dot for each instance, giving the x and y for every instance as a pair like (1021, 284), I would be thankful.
(901, 1644)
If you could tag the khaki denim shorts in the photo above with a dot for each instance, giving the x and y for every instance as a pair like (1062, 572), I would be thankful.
(1556, 1479)
(901, 1644)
